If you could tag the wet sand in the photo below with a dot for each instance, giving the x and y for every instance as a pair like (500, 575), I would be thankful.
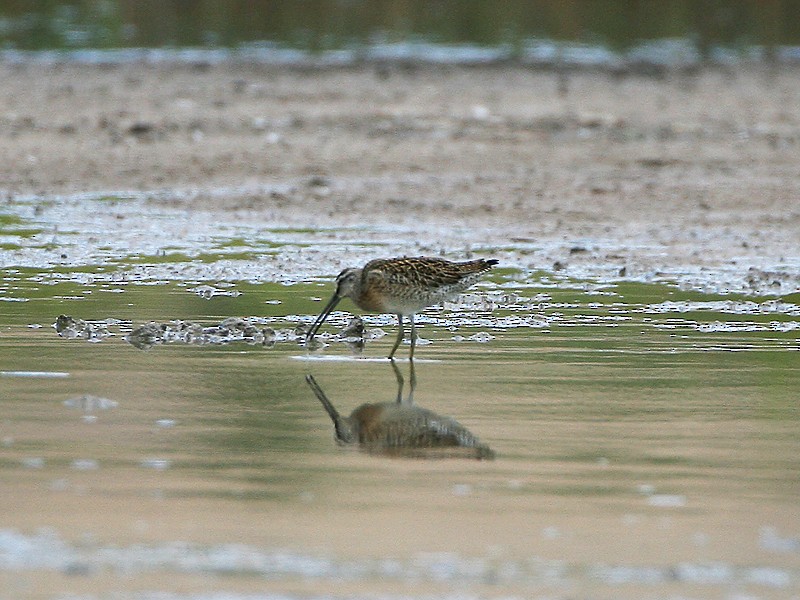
(690, 173)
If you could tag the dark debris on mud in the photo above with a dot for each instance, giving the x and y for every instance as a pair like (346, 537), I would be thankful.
(254, 331)
(250, 330)
(232, 329)
(92, 331)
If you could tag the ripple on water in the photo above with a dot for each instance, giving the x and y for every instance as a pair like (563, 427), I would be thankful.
(157, 464)
(35, 374)
(85, 464)
(89, 403)
(47, 551)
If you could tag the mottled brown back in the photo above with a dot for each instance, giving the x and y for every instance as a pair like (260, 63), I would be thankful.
(427, 272)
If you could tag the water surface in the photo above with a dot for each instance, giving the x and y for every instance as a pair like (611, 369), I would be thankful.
(646, 434)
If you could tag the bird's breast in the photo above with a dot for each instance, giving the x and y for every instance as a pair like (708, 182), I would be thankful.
(399, 301)
(371, 300)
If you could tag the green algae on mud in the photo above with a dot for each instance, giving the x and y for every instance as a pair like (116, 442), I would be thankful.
(12, 225)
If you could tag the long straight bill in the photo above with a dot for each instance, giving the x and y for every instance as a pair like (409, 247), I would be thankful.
(322, 316)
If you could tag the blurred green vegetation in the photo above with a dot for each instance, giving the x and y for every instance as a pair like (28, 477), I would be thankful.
(319, 25)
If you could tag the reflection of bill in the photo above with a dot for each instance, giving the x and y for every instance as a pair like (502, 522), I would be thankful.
(401, 428)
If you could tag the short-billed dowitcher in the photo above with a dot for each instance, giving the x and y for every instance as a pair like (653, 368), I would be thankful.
(402, 286)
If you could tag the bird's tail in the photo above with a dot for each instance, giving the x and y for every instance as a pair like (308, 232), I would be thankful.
(481, 265)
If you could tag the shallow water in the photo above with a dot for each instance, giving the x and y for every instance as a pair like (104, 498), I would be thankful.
(646, 435)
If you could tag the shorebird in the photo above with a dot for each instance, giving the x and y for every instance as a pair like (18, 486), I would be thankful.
(402, 286)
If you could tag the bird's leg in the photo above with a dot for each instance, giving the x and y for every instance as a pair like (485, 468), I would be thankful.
(412, 382)
(413, 337)
(399, 376)
(400, 333)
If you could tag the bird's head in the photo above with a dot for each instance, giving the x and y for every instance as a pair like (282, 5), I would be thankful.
(347, 282)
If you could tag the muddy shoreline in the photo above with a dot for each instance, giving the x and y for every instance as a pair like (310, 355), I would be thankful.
(645, 437)
(693, 174)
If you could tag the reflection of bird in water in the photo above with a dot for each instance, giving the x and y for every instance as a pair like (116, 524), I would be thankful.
(400, 428)
(402, 286)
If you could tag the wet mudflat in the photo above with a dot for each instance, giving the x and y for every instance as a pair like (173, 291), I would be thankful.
(632, 363)
(645, 437)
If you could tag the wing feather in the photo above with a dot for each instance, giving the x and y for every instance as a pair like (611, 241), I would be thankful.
(424, 271)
